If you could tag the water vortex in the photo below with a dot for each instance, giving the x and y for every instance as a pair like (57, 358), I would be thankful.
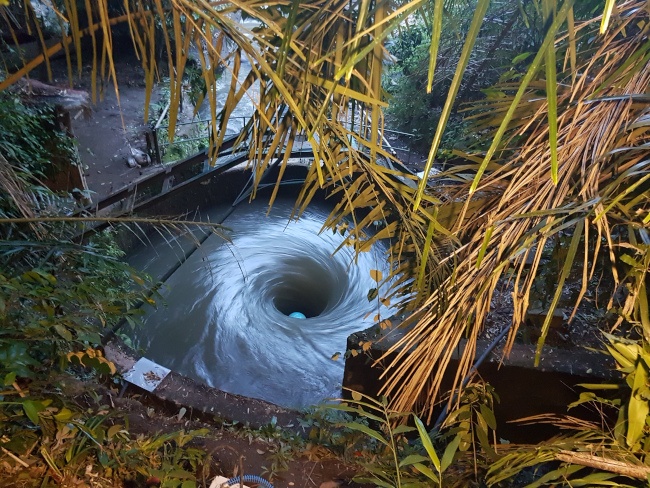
(227, 320)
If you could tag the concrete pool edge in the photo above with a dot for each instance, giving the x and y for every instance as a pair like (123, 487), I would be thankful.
(179, 391)
(523, 390)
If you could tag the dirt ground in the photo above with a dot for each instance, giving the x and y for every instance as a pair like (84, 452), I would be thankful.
(230, 450)
(104, 139)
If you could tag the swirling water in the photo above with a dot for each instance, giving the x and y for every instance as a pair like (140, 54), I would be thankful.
(226, 322)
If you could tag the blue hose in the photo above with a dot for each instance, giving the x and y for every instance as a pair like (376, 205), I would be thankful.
(251, 478)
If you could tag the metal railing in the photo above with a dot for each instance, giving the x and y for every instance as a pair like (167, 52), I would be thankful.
(186, 142)
(172, 175)
(386, 145)
(166, 179)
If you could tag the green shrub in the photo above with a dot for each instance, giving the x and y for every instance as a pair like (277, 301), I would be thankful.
(29, 139)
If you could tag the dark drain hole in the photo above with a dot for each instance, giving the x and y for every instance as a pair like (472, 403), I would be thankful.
(303, 297)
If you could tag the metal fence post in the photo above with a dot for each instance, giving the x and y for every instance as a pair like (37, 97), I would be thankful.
(156, 146)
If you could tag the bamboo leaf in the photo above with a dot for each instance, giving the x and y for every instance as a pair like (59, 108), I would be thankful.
(412, 459)
(363, 9)
(450, 451)
(426, 249)
(49, 459)
(283, 52)
(378, 482)
(621, 355)
(344, 90)
(379, 32)
(607, 14)
(486, 242)
(572, 45)
(551, 99)
(521, 57)
(628, 189)
(113, 430)
(64, 415)
(472, 34)
(426, 442)
(402, 429)
(435, 41)
(566, 268)
(63, 332)
(530, 73)
(427, 472)
(644, 310)
(596, 479)
(368, 431)
(636, 61)
(32, 408)
(488, 416)
(561, 473)
(598, 386)
(638, 408)
(357, 411)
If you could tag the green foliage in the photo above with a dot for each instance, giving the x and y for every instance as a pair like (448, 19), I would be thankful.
(325, 426)
(167, 458)
(388, 457)
(58, 295)
(280, 454)
(283, 445)
(604, 454)
(196, 83)
(190, 137)
(395, 449)
(29, 139)
(411, 109)
(632, 399)
(193, 142)
(507, 31)
(63, 304)
(56, 299)
(386, 446)
(52, 317)
(71, 445)
(473, 422)
(406, 44)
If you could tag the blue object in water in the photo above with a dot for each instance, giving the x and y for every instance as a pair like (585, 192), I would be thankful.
(297, 315)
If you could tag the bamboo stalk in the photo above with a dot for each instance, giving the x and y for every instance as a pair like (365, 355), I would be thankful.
(599, 462)
(11, 392)
(51, 51)
(14, 457)
(19, 390)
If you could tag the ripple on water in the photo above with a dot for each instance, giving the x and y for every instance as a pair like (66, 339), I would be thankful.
(227, 324)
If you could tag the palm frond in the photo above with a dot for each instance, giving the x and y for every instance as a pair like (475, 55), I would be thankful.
(602, 163)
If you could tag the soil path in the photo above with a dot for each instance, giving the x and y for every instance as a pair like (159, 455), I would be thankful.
(105, 139)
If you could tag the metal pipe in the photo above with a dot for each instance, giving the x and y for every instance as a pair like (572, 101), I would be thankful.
(477, 364)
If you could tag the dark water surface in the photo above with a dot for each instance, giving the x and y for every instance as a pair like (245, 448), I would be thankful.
(226, 321)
